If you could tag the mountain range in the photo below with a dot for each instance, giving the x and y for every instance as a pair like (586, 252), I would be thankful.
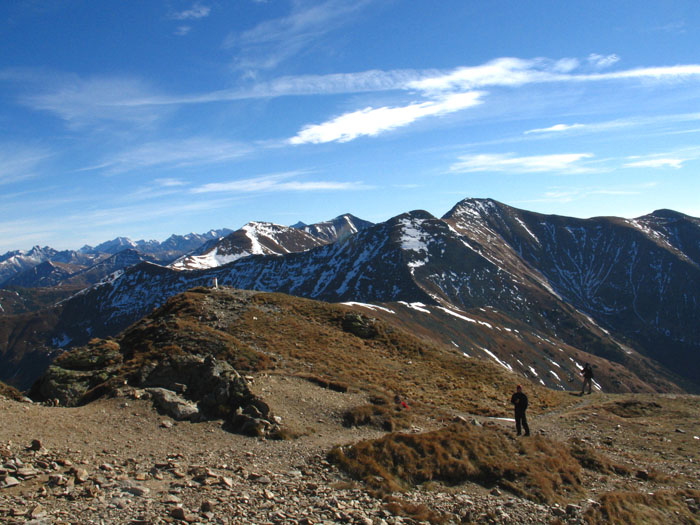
(42, 267)
(537, 294)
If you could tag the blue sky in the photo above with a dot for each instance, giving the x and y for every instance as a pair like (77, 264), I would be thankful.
(144, 118)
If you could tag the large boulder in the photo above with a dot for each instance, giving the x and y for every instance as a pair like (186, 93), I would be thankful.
(174, 405)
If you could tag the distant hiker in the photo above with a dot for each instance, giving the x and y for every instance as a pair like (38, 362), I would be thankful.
(519, 401)
(587, 374)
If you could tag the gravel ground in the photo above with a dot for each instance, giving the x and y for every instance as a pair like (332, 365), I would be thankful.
(119, 461)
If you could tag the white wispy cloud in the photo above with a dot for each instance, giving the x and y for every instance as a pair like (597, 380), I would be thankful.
(195, 12)
(499, 72)
(174, 154)
(666, 162)
(157, 189)
(633, 122)
(556, 128)
(273, 41)
(183, 30)
(514, 72)
(602, 61)
(562, 163)
(19, 162)
(86, 101)
(277, 182)
(169, 183)
(373, 121)
(669, 159)
(571, 194)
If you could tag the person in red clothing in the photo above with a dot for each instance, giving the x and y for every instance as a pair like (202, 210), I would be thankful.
(519, 402)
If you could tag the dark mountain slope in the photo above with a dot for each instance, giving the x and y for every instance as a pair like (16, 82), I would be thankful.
(44, 275)
(626, 277)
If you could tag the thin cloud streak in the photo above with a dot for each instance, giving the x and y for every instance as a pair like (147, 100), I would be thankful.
(563, 163)
(556, 128)
(174, 154)
(19, 163)
(568, 195)
(670, 159)
(85, 101)
(274, 41)
(633, 122)
(656, 163)
(277, 182)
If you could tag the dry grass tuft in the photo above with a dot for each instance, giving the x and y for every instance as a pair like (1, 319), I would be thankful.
(537, 468)
(384, 417)
(659, 508)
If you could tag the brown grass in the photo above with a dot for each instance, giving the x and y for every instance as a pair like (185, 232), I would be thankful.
(662, 507)
(537, 468)
(384, 417)
(307, 336)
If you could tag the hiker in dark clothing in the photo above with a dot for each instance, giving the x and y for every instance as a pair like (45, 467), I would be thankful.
(519, 401)
(587, 374)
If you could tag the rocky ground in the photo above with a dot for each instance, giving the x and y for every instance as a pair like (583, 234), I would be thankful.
(119, 461)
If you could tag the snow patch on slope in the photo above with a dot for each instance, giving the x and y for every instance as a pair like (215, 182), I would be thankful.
(370, 306)
(416, 306)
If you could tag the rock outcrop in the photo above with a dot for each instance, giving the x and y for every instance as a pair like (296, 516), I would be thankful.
(184, 387)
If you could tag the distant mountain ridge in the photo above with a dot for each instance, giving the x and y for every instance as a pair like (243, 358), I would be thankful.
(43, 267)
(530, 291)
(265, 238)
(336, 229)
